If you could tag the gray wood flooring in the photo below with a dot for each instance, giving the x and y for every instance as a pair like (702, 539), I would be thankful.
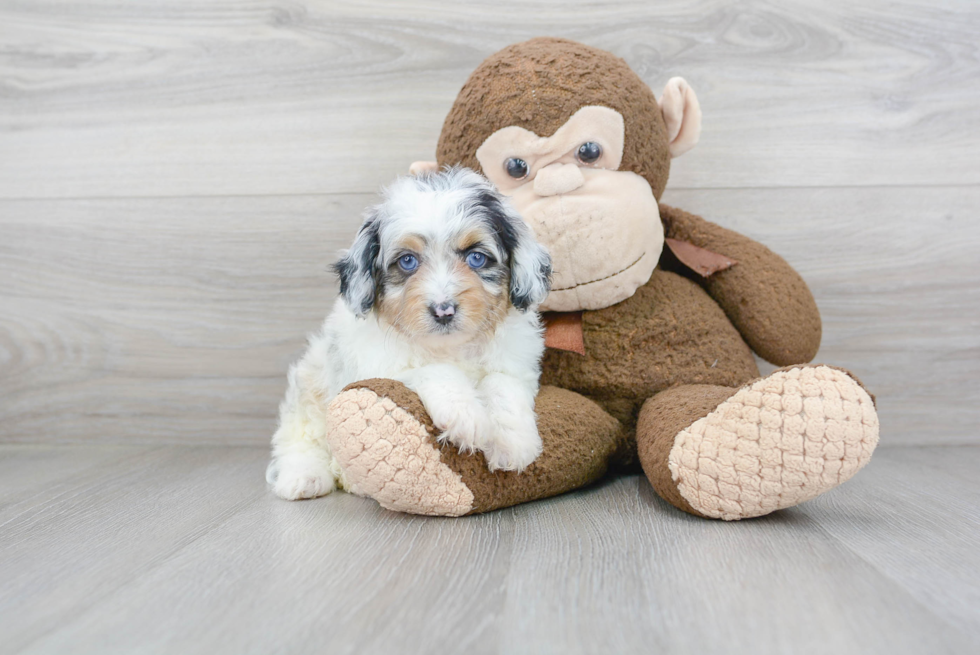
(180, 549)
(175, 178)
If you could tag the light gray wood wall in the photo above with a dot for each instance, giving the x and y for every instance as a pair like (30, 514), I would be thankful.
(175, 178)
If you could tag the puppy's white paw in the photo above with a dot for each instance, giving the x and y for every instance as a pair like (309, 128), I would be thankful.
(515, 443)
(512, 452)
(298, 476)
(465, 425)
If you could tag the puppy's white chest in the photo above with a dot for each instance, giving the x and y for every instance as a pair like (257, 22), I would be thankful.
(471, 364)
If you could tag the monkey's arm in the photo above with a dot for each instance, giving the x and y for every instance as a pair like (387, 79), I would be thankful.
(766, 300)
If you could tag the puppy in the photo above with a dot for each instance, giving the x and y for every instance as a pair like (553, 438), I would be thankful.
(438, 292)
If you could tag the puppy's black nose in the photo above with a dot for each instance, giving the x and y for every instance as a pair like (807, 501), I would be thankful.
(444, 312)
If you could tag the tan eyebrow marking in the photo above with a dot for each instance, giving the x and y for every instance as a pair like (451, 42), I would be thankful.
(412, 242)
(470, 238)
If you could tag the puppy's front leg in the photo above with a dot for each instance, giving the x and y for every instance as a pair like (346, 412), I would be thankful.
(515, 441)
(302, 465)
(453, 404)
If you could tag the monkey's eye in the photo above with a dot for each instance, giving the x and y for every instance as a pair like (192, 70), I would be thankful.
(589, 152)
(516, 168)
(476, 260)
(408, 263)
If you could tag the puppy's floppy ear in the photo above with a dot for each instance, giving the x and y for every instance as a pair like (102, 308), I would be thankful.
(530, 270)
(530, 263)
(358, 267)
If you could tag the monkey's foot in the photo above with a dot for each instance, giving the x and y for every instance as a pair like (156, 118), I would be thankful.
(776, 442)
(387, 447)
(388, 453)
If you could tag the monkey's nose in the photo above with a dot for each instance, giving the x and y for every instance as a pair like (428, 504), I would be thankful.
(556, 179)
(444, 312)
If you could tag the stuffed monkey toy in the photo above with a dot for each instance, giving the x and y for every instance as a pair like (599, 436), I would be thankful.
(651, 321)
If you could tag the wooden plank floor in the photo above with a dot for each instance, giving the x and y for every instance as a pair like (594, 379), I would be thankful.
(179, 549)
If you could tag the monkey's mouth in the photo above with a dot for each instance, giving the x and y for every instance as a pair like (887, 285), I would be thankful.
(606, 277)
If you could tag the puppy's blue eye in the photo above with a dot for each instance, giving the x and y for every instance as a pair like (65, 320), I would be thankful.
(408, 263)
(476, 260)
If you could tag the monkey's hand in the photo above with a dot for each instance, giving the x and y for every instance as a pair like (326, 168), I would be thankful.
(767, 301)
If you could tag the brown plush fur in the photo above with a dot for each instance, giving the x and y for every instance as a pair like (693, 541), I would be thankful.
(762, 295)
(580, 442)
(681, 344)
(538, 85)
(661, 419)
(679, 329)
(670, 332)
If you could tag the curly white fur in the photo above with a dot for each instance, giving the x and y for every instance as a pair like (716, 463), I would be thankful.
(477, 375)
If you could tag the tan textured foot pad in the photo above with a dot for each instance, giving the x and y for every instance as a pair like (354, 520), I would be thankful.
(388, 455)
(784, 439)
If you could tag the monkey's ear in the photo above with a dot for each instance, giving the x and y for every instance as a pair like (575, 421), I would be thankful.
(682, 115)
(420, 167)
(357, 269)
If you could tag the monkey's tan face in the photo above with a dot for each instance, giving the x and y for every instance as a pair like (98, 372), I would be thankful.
(601, 225)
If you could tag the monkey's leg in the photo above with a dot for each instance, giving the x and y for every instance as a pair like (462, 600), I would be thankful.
(727, 453)
(386, 446)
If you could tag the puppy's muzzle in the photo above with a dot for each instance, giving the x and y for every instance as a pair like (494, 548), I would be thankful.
(444, 313)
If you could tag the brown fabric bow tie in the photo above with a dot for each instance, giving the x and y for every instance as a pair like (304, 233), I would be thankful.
(563, 331)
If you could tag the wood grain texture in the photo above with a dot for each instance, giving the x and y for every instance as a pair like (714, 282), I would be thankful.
(175, 178)
(30, 471)
(181, 549)
(160, 319)
(107, 98)
(174, 320)
(914, 506)
(896, 276)
(77, 540)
